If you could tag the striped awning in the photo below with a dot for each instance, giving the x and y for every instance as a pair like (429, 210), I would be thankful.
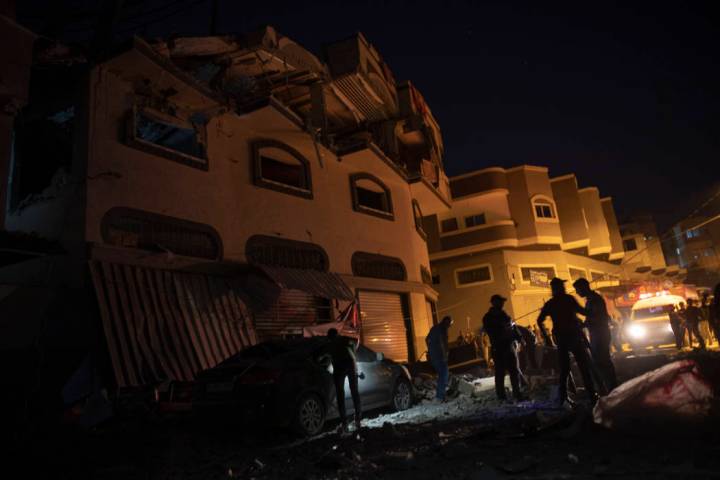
(168, 325)
(322, 284)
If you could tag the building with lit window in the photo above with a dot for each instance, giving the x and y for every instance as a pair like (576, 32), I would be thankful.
(509, 232)
(195, 167)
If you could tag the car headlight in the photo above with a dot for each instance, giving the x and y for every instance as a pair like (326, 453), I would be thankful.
(637, 331)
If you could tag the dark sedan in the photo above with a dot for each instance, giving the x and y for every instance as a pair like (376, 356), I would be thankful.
(284, 383)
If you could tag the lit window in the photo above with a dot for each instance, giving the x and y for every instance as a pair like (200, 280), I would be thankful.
(371, 196)
(630, 244)
(449, 225)
(280, 167)
(475, 220)
(544, 210)
(473, 276)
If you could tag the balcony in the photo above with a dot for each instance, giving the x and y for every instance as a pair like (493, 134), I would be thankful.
(479, 182)
(502, 233)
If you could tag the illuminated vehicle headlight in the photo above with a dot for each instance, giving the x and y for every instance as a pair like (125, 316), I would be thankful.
(637, 331)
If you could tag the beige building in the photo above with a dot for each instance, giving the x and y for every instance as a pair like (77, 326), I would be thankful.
(220, 156)
(510, 231)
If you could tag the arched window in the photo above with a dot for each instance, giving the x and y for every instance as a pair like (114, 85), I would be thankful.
(365, 264)
(417, 214)
(279, 167)
(130, 228)
(371, 196)
(544, 208)
(283, 252)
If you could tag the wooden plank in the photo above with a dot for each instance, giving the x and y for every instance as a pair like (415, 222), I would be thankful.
(181, 334)
(122, 337)
(140, 323)
(161, 327)
(129, 323)
(105, 315)
(195, 334)
(215, 320)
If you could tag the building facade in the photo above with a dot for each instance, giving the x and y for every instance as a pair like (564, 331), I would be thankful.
(222, 154)
(509, 232)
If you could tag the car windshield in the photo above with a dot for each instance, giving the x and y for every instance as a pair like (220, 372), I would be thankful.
(649, 312)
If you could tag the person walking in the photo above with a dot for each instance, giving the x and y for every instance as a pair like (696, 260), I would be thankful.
(437, 348)
(597, 321)
(501, 330)
(341, 351)
(676, 324)
(562, 308)
(693, 317)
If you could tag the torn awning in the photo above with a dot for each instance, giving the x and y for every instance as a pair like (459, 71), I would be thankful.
(166, 324)
(322, 284)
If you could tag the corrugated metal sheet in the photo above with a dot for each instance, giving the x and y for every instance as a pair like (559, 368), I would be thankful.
(321, 284)
(167, 325)
(292, 311)
(383, 324)
(356, 91)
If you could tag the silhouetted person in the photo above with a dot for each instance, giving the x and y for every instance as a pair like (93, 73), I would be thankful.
(693, 317)
(597, 321)
(567, 329)
(437, 345)
(714, 318)
(501, 330)
(676, 323)
(529, 344)
(342, 355)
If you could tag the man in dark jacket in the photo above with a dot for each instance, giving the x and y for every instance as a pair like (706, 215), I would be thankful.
(503, 335)
(341, 351)
(437, 345)
(597, 322)
(693, 317)
(563, 309)
(677, 326)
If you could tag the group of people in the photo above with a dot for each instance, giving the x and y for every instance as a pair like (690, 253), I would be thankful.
(687, 320)
(568, 336)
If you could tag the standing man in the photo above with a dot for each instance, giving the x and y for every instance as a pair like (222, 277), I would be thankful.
(677, 325)
(563, 309)
(693, 317)
(342, 355)
(501, 330)
(597, 321)
(437, 345)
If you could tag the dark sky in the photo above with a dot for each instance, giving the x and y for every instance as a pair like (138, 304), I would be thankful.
(627, 97)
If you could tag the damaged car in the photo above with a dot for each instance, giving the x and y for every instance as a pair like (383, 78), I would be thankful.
(285, 384)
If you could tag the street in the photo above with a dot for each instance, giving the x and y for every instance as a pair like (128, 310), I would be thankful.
(470, 436)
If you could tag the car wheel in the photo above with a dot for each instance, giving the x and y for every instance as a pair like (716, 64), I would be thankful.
(402, 395)
(310, 415)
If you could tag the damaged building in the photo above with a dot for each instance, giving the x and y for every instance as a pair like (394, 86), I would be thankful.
(209, 193)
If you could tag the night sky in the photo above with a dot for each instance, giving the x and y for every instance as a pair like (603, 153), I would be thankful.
(626, 97)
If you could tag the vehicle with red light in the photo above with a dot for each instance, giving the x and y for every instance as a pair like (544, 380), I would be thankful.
(285, 384)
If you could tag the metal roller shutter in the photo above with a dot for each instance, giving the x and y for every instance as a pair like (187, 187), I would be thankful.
(293, 310)
(383, 324)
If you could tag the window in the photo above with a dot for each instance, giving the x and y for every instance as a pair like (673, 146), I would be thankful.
(538, 276)
(693, 233)
(372, 265)
(470, 276)
(475, 220)
(425, 275)
(417, 214)
(371, 196)
(167, 136)
(281, 252)
(449, 225)
(597, 276)
(577, 273)
(365, 355)
(436, 279)
(630, 244)
(543, 208)
(279, 167)
(127, 227)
